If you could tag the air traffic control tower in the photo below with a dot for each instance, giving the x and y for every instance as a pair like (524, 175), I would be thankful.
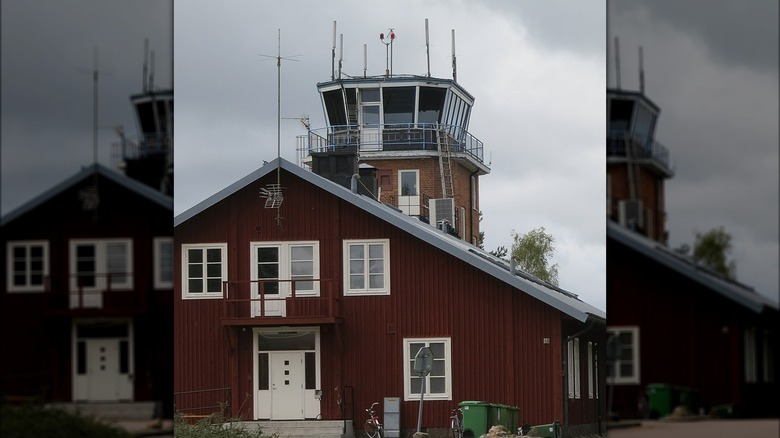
(407, 137)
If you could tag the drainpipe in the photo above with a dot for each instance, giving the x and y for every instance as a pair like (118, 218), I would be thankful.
(471, 203)
(566, 376)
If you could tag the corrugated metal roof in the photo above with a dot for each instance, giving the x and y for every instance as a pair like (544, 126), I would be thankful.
(129, 183)
(560, 299)
(739, 293)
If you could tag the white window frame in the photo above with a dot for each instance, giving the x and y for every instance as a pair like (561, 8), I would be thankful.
(27, 287)
(408, 369)
(633, 378)
(162, 264)
(409, 204)
(205, 295)
(573, 362)
(285, 265)
(367, 290)
(101, 264)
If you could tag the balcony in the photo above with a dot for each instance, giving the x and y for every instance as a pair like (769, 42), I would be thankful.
(396, 137)
(93, 294)
(280, 302)
(642, 150)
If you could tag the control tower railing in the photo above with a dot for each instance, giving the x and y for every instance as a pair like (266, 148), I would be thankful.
(395, 137)
(645, 149)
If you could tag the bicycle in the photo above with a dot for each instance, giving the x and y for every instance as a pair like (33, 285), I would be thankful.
(373, 426)
(456, 423)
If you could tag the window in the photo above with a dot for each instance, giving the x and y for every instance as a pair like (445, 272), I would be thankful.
(590, 369)
(573, 361)
(367, 267)
(623, 347)
(101, 264)
(438, 384)
(298, 261)
(163, 262)
(28, 265)
(751, 364)
(409, 192)
(204, 268)
(399, 105)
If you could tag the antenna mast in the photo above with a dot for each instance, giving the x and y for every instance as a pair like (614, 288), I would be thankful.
(333, 55)
(454, 62)
(641, 70)
(427, 48)
(617, 62)
(146, 57)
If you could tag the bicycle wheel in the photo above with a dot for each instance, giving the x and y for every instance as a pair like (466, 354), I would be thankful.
(371, 429)
(457, 429)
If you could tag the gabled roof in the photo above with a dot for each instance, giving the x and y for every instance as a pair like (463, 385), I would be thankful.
(566, 302)
(130, 184)
(737, 292)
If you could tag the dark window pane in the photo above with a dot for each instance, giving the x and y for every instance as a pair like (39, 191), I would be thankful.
(399, 105)
(267, 254)
(195, 255)
(262, 372)
(438, 385)
(124, 358)
(214, 285)
(214, 270)
(431, 104)
(311, 371)
(416, 385)
(195, 285)
(20, 252)
(334, 106)
(195, 271)
(214, 255)
(81, 358)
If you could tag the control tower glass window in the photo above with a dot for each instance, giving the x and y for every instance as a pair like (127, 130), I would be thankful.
(334, 106)
(399, 105)
(431, 104)
(369, 95)
(620, 112)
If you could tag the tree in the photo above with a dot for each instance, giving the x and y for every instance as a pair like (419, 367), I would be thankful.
(532, 252)
(712, 248)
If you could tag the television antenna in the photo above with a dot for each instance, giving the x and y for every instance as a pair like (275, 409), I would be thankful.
(273, 192)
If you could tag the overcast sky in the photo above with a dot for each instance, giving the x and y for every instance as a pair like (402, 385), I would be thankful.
(47, 50)
(537, 70)
(712, 67)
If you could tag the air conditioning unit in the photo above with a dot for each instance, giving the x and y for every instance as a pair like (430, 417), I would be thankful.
(442, 210)
(630, 213)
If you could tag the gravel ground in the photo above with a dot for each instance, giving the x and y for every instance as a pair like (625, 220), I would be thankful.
(700, 429)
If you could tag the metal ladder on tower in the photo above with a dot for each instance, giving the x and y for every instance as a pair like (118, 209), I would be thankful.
(445, 167)
(631, 166)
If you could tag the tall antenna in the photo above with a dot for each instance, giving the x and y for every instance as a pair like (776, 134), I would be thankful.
(146, 57)
(365, 59)
(641, 71)
(89, 196)
(151, 73)
(341, 52)
(617, 62)
(454, 62)
(274, 194)
(427, 48)
(333, 55)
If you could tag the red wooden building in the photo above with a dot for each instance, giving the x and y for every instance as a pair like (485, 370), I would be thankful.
(683, 327)
(302, 299)
(86, 293)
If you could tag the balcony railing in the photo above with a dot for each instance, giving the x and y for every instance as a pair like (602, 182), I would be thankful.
(259, 302)
(109, 292)
(642, 148)
(395, 137)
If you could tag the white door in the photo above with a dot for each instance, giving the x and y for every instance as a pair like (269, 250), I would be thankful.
(369, 130)
(287, 378)
(267, 265)
(104, 379)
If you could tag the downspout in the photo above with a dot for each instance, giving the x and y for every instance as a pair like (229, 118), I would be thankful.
(566, 376)
(471, 204)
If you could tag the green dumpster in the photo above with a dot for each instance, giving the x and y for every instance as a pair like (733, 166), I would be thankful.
(661, 399)
(503, 415)
(552, 430)
(689, 398)
(475, 418)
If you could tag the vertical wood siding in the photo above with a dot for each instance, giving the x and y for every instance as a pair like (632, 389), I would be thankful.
(498, 353)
